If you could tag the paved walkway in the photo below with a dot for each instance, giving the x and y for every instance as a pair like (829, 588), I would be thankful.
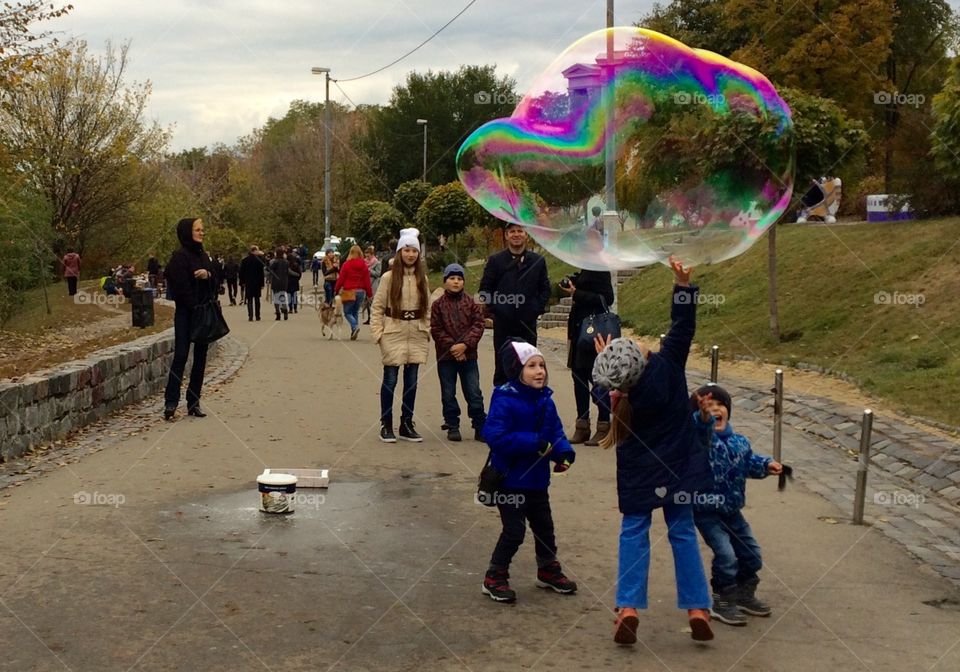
(145, 550)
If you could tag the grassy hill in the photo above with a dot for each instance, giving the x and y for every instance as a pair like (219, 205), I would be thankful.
(838, 307)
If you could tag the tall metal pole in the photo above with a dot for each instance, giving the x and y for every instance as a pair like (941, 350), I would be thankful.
(326, 165)
(424, 152)
(609, 190)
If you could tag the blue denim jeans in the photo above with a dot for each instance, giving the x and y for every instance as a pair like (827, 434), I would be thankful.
(736, 554)
(351, 309)
(328, 291)
(389, 384)
(469, 372)
(692, 590)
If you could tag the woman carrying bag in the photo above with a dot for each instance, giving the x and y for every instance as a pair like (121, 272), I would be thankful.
(189, 276)
(592, 293)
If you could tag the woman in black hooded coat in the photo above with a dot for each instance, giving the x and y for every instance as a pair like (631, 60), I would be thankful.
(190, 279)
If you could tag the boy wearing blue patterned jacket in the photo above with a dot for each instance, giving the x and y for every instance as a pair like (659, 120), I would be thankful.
(736, 554)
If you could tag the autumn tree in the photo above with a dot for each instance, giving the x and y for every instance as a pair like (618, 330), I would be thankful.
(80, 137)
(21, 49)
(454, 104)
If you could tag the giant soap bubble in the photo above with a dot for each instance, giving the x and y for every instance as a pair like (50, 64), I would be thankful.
(701, 149)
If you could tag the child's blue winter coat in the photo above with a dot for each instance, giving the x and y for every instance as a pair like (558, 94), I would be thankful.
(520, 418)
(732, 462)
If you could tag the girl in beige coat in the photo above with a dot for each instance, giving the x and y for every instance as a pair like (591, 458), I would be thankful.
(400, 324)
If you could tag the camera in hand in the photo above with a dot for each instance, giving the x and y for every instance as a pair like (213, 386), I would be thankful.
(565, 283)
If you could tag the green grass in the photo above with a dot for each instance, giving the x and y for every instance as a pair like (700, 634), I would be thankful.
(827, 282)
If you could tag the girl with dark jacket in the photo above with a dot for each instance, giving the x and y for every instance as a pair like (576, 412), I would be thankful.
(662, 462)
(190, 281)
(279, 273)
(592, 293)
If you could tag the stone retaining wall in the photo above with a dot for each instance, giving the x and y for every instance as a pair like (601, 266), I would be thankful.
(46, 405)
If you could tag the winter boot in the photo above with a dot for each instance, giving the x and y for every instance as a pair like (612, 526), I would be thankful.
(581, 431)
(603, 427)
(747, 600)
(407, 431)
(551, 576)
(496, 584)
(725, 609)
(453, 433)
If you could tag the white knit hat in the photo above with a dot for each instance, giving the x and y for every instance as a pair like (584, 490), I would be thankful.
(409, 238)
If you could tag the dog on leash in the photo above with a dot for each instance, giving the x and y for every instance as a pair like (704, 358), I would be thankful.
(331, 319)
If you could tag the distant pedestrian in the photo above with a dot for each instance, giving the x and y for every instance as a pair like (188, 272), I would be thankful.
(71, 270)
(330, 268)
(353, 285)
(293, 282)
(231, 272)
(375, 267)
(251, 281)
(315, 268)
(515, 289)
(279, 281)
(153, 271)
(400, 324)
(191, 282)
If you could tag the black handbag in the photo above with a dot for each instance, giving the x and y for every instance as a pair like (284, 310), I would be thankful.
(207, 324)
(601, 324)
(489, 482)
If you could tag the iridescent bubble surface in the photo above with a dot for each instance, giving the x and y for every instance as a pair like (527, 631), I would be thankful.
(701, 150)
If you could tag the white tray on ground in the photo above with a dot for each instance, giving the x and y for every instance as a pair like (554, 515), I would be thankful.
(306, 478)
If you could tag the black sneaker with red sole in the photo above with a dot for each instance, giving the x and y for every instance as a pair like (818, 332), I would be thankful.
(496, 584)
(552, 577)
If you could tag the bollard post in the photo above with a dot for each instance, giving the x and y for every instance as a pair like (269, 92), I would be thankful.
(864, 462)
(662, 336)
(714, 362)
(778, 415)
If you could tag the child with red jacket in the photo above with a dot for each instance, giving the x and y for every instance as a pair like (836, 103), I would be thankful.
(456, 325)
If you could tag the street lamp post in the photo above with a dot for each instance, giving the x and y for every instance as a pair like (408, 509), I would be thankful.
(423, 122)
(326, 155)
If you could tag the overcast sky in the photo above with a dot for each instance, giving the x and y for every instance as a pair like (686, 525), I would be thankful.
(219, 69)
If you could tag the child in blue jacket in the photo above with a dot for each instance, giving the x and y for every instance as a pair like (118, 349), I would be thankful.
(736, 554)
(525, 435)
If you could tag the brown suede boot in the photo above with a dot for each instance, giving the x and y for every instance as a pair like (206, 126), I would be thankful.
(602, 429)
(581, 432)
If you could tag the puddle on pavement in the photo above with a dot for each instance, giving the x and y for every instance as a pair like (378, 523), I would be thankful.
(237, 514)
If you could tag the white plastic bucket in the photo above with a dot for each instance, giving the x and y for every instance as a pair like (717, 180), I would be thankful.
(277, 492)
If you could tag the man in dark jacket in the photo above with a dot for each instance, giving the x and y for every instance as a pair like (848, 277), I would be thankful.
(251, 278)
(515, 288)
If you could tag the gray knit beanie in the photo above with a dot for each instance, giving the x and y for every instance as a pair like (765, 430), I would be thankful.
(619, 366)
